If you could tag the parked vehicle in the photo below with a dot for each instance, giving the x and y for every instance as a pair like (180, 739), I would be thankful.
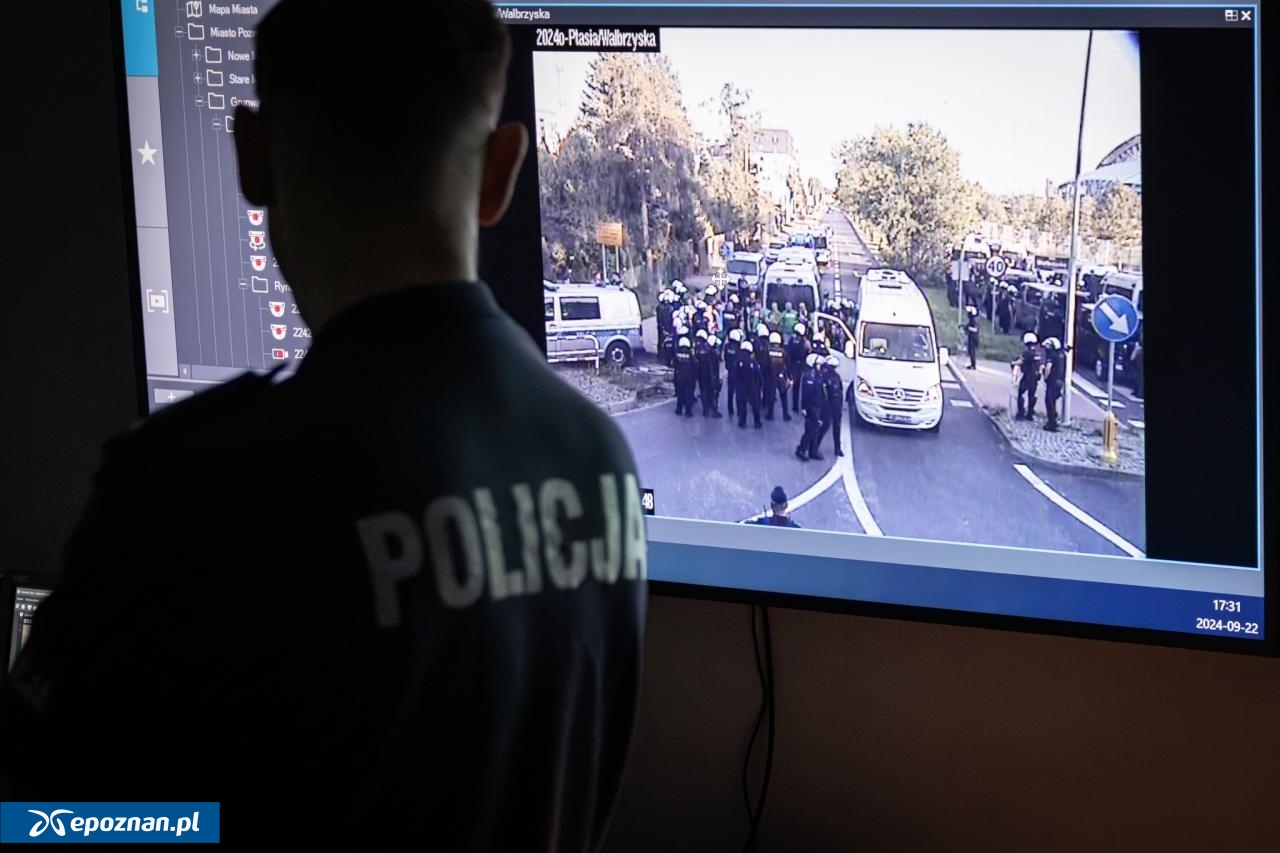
(586, 322)
(794, 283)
(898, 381)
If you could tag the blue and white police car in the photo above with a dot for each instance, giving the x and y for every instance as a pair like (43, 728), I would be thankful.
(586, 322)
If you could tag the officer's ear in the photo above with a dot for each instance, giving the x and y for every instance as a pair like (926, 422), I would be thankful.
(504, 154)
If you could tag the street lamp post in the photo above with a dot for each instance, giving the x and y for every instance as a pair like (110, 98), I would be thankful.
(1070, 324)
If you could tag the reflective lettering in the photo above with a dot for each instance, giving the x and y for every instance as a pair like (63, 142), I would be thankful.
(555, 498)
(526, 520)
(635, 561)
(606, 558)
(443, 513)
(502, 583)
(393, 550)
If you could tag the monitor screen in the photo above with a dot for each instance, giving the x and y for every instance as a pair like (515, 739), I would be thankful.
(862, 286)
(26, 600)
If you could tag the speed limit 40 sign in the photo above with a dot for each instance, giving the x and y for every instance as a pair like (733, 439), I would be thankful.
(996, 267)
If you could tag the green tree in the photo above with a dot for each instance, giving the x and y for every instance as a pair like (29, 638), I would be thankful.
(908, 183)
(1119, 216)
(631, 156)
(734, 204)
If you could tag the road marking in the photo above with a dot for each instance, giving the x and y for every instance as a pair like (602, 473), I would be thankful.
(951, 386)
(825, 482)
(1138, 424)
(1088, 387)
(850, 478)
(1077, 513)
(992, 371)
(961, 404)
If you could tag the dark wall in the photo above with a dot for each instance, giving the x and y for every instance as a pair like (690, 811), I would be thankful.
(891, 735)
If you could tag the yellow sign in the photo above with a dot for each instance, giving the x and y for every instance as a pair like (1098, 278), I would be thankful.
(609, 233)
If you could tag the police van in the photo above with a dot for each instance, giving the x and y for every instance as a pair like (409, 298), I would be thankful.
(746, 265)
(794, 283)
(898, 363)
(586, 322)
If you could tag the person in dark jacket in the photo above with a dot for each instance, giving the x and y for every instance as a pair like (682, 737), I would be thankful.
(750, 383)
(972, 335)
(1055, 370)
(415, 619)
(833, 387)
(685, 376)
(1028, 366)
(777, 516)
(812, 403)
(797, 352)
(775, 379)
(708, 365)
(731, 348)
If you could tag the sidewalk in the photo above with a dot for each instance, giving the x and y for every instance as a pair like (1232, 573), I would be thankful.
(1076, 447)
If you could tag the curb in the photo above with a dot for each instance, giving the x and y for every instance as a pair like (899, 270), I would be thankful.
(1027, 458)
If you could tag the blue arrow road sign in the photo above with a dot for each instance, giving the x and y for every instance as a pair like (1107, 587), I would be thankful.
(1115, 318)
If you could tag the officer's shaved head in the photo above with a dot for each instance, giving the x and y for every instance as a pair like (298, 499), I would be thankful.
(375, 145)
(384, 79)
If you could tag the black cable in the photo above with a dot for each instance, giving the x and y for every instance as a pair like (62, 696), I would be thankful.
(765, 672)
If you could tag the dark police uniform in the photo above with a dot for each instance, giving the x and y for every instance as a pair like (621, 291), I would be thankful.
(1054, 379)
(370, 618)
(973, 334)
(708, 379)
(775, 382)
(797, 349)
(749, 381)
(666, 329)
(835, 405)
(812, 402)
(1030, 367)
(731, 373)
(686, 377)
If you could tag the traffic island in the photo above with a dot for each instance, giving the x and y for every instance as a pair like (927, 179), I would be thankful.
(1075, 448)
(619, 390)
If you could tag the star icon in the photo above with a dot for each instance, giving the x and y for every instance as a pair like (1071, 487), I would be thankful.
(148, 153)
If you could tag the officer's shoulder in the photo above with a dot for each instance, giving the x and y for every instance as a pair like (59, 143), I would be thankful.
(204, 411)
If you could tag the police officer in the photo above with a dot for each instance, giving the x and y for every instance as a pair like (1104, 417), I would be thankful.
(1055, 374)
(686, 374)
(1004, 308)
(775, 379)
(374, 566)
(1028, 365)
(760, 346)
(797, 352)
(812, 402)
(666, 325)
(731, 348)
(750, 380)
(824, 367)
(732, 316)
(706, 378)
(971, 335)
(834, 388)
(777, 516)
(712, 391)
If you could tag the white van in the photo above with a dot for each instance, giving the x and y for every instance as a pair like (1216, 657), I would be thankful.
(794, 283)
(746, 265)
(798, 255)
(898, 381)
(586, 322)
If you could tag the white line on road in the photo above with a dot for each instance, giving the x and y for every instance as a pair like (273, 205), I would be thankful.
(851, 488)
(1077, 513)
(961, 404)
(951, 386)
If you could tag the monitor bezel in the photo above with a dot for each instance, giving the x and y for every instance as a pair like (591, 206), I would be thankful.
(1267, 647)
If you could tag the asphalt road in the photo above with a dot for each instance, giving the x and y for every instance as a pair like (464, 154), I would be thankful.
(960, 484)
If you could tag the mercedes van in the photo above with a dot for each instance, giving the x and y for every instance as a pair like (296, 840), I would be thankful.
(898, 362)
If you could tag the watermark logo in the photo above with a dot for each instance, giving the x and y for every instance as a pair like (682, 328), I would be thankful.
(49, 821)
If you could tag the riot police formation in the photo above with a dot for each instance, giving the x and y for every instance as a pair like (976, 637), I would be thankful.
(972, 333)
(776, 378)
(797, 351)
(813, 404)
(750, 378)
(1055, 370)
(1028, 367)
(686, 374)
(707, 356)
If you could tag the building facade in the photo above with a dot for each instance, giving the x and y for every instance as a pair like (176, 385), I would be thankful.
(773, 154)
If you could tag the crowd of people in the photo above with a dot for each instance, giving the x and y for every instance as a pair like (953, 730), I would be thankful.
(781, 360)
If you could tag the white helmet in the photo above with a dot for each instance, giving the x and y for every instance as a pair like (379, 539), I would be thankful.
(775, 338)
(972, 310)
(701, 306)
(684, 343)
(733, 297)
(833, 361)
(677, 284)
(811, 359)
(800, 330)
(1029, 338)
(762, 331)
(682, 331)
(713, 341)
(735, 334)
(711, 290)
(746, 346)
(701, 333)
(1052, 343)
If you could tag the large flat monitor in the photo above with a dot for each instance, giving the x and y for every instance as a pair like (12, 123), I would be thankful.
(956, 208)
(20, 596)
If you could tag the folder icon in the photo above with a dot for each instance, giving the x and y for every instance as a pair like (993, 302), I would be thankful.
(217, 102)
(195, 32)
(229, 124)
(258, 284)
(213, 55)
(213, 78)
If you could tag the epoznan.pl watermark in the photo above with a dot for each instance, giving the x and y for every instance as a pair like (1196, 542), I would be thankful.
(110, 823)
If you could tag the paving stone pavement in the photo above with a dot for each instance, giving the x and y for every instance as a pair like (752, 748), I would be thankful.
(1079, 444)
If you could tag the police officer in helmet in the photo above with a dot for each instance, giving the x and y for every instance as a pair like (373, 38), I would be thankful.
(1055, 374)
(1028, 366)
(749, 383)
(812, 403)
(686, 373)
